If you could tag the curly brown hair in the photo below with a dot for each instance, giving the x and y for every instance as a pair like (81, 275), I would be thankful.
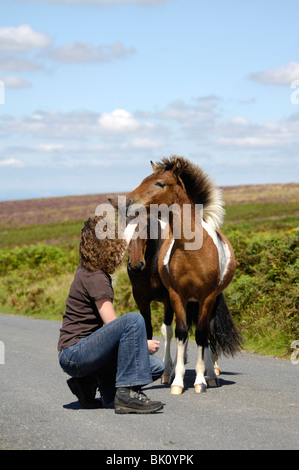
(105, 254)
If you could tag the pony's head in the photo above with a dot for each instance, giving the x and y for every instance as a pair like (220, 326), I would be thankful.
(162, 186)
(176, 179)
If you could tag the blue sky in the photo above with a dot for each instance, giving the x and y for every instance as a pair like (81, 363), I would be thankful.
(92, 91)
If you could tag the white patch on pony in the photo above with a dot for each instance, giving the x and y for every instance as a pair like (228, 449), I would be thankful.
(162, 223)
(167, 256)
(129, 231)
(224, 253)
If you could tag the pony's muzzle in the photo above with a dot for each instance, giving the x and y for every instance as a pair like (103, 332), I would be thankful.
(136, 269)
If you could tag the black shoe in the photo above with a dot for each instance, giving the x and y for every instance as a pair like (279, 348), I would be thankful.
(130, 400)
(85, 390)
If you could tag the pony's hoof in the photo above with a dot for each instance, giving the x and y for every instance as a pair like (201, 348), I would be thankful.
(217, 371)
(165, 379)
(176, 390)
(200, 388)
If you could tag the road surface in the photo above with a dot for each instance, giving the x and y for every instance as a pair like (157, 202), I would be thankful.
(255, 407)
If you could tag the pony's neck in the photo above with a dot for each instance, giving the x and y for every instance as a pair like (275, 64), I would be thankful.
(182, 196)
(185, 222)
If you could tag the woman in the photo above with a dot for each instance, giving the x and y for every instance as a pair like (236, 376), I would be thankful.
(96, 348)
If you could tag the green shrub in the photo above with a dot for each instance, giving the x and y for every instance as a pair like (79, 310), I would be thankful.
(35, 279)
(38, 256)
(264, 294)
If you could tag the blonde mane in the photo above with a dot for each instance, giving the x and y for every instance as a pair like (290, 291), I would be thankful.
(199, 187)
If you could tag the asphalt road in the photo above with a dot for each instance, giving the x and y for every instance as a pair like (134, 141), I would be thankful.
(255, 407)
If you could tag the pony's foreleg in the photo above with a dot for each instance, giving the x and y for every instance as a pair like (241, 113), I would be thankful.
(167, 333)
(178, 382)
(144, 306)
(146, 313)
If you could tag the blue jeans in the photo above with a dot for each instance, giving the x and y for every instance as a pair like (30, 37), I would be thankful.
(117, 354)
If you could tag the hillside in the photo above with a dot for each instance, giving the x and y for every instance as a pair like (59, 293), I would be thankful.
(70, 208)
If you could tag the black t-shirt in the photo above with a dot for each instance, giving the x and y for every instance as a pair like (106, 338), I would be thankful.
(81, 316)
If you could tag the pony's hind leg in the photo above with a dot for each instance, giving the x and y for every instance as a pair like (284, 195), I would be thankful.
(210, 372)
(216, 365)
(203, 351)
(181, 333)
(200, 383)
(204, 366)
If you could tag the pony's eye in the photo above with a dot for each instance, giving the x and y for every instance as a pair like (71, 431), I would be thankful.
(160, 184)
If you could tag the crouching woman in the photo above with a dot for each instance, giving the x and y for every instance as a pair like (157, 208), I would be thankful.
(97, 348)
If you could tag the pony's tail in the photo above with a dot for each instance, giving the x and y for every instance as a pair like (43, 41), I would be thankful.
(224, 337)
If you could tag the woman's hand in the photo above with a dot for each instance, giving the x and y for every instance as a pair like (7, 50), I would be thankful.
(153, 346)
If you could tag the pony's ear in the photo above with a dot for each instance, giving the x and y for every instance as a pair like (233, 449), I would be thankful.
(113, 202)
(153, 166)
(177, 167)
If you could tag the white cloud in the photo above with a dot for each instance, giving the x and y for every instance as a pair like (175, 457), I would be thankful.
(192, 116)
(239, 120)
(278, 76)
(54, 124)
(239, 132)
(13, 162)
(139, 143)
(15, 82)
(22, 38)
(145, 143)
(52, 137)
(247, 141)
(50, 147)
(84, 52)
(79, 124)
(18, 64)
(118, 121)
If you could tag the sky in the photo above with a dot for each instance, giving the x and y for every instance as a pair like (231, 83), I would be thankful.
(92, 91)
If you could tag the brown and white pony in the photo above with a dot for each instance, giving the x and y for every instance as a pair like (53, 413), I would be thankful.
(191, 275)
